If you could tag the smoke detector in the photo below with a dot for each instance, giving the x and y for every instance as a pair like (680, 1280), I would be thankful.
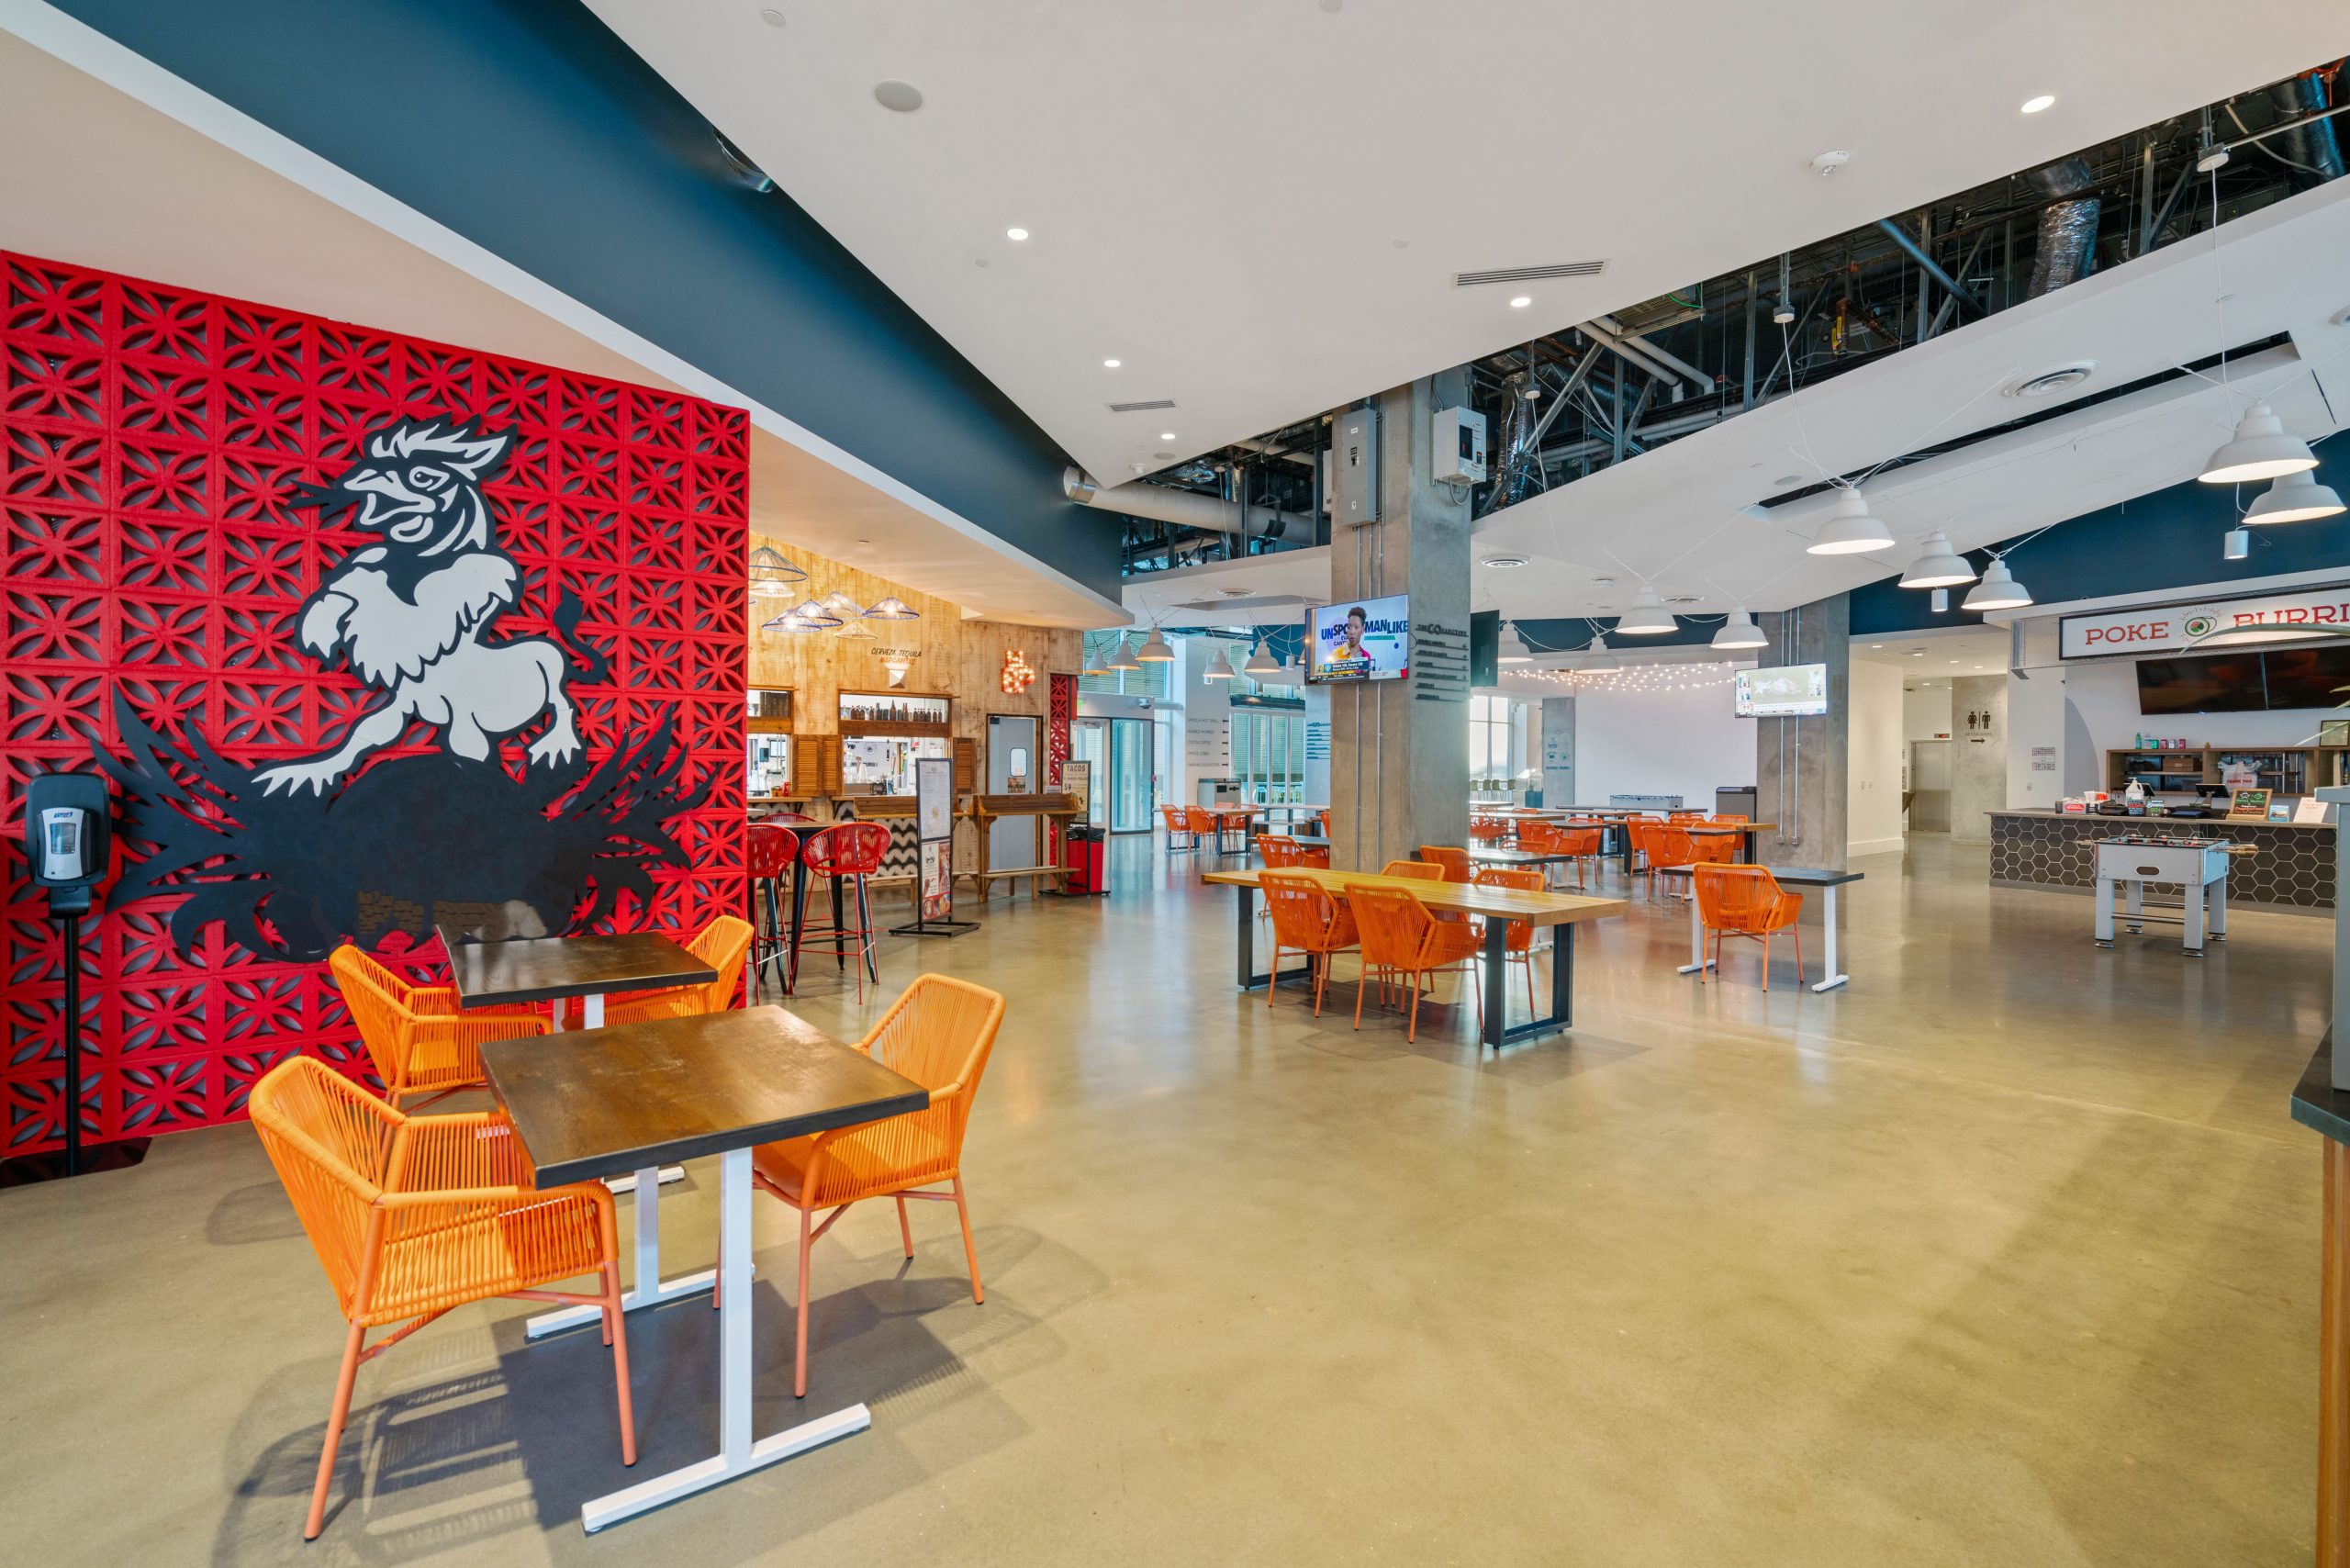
(1828, 163)
(2048, 381)
(1504, 563)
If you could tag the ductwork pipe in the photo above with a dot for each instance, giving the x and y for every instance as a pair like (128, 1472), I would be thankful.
(1696, 377)
(2313, 149)
(1632, 354)
(2067, 226)
(1185, 509)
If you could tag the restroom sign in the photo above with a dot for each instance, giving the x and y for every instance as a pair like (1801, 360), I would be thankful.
(2169, 628)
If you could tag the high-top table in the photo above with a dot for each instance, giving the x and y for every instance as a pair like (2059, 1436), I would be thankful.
(557, 968)
(1786, 877)
(1497, 906)
(632, 1097)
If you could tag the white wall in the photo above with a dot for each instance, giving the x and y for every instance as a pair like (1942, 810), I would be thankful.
(2036, 723)
(1660, 743)
(1925, 711)
(1874, 750)
(2106, 696)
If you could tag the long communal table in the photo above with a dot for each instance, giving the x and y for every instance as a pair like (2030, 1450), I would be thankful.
(1560, 911)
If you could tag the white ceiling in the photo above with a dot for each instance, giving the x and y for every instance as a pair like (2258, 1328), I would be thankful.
(1940, 654)
(135, 190)
(1259, 206)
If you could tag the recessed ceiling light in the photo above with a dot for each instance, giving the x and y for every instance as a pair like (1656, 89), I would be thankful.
(2034, 106)
(1109, 365)
(1876, 645)
(902, 96)
(1521, 302)
(772, 16)
(1015, 234)
(1167, 435)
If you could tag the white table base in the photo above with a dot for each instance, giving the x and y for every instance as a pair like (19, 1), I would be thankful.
(737, 1454)
(1828, 914)
(1697, 960)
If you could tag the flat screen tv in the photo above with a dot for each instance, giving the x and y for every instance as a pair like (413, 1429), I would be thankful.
(1783, 691)
(1485, 648)
(2306, 677)
(1370, 639)
(2215, 683)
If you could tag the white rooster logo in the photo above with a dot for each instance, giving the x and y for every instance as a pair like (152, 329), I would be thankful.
(409, 614)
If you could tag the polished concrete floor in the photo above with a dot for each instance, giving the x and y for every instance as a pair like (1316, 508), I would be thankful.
(2005, 1254)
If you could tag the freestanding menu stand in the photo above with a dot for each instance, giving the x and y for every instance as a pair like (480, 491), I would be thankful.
(933, 853)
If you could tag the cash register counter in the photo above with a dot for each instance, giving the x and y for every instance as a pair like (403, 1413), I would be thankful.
(2291, 873)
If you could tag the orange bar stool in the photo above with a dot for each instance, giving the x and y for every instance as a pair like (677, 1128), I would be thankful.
(413, 1215)
(939, 1034)
(1747, 900)
(846, 854)
(1398, 935)
(417, 1037)
(1305, 920)
(773, 855)
(1517, 936)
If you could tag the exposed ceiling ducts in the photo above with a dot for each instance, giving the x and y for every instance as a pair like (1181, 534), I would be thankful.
(1185, 509)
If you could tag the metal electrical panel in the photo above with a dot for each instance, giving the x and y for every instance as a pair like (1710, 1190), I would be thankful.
(1354, 468)
(1457, 451)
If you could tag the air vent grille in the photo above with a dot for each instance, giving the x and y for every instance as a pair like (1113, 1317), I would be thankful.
(1530, 275)
(1142, 408)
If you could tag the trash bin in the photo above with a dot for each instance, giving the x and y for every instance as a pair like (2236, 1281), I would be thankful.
(1085, 859)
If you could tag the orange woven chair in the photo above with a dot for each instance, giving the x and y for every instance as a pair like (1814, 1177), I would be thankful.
(937, 1033)
(1280, 849)
(1202, 824)
(1309, 920)
(1452, 862)
(1488, 830)
(412, 1215)
(1517, 936)
(1728, 819)
(419, 1040)
(721, 944)
(1324, 818)
(1399, 936)
(1747, 900)
(1178, 827)
(1671, 853)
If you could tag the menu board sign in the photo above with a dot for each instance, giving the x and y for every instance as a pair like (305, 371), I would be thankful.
(933, 799)
(938, 879)
(2249, 805)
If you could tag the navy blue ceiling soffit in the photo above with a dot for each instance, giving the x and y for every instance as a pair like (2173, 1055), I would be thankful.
(529, 127)
(2169, 539)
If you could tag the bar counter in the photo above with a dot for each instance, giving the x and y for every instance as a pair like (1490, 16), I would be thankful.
(2292, 873)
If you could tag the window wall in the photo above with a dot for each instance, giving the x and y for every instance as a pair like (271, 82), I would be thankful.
(1497, 737)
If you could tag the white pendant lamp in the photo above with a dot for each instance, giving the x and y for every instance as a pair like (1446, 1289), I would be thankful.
(1942, 601)
(840, 604)
(1739, 632)
(2261, 450)
(2294, 498)
(1513, 649)
(1599, 660)
(1997, 590)
(1936, 565)
(1261, 665)
(2235, 545)
(889, 607)
(1213, 667)
(855, 630)
(1121, 657)
(1646, 617)
(1850, 529)
(1155, 651)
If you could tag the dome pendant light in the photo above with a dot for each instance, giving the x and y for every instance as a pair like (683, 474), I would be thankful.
(2261, 450)
(2294, 498)
(1121, 657)
(1261, 665)
(1850, 530)
(1997, 590)
(1155, 650)
(1213, 667)
(1739, 632)
(1936, 565)
(1646, 617)
(1513, 649)
(1599, 660)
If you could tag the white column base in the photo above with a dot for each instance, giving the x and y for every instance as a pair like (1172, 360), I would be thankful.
(1699, 962)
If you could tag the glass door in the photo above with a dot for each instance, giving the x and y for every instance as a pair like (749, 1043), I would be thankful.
(1127, 795)
(1089, 741)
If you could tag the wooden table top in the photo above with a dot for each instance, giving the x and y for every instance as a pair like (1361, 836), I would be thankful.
(603, 1101)
(546, 968)
(1453, 898)
(1749, 829)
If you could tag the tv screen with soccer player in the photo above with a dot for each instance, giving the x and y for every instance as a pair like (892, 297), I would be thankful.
(1370, 639)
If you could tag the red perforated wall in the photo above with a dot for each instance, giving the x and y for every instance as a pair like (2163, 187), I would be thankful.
(150, 439)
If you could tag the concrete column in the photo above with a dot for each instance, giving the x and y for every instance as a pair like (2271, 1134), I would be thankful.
(1978, 766)
(1802, 766)
(1399, 749)
(1558, 759)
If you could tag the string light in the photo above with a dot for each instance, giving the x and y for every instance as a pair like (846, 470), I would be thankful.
(1639, 679)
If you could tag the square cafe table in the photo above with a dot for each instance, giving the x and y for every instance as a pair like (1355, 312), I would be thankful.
(1786, 877)
(630, 1097)
(1497, 906)
(555, 969)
